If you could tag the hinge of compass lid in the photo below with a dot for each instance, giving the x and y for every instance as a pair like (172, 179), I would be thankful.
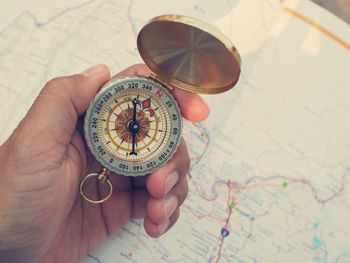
(161, 81)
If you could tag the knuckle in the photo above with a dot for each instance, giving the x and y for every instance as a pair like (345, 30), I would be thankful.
(186, 188)
(55, 83)
(186, 161)
(182, 190)
(173, 219)
(187, 164)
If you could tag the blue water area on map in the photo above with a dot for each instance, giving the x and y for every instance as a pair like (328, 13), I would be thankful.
(316, 243)
(316, 225)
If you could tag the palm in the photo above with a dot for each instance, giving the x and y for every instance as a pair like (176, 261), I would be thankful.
(81, 226)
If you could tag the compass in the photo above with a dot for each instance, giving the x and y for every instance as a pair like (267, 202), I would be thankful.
(133, 125)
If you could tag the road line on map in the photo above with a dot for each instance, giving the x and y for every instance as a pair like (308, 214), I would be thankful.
(227, 220)
(133, 27)
(205, 134)
(318, 26)
(39, 24)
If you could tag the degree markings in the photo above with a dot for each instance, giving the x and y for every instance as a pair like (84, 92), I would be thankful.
(124, 118)
(153, 131)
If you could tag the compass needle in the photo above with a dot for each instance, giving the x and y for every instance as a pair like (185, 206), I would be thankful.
(133, 126)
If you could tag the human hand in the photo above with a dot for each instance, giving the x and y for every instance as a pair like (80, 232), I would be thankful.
(42, 216)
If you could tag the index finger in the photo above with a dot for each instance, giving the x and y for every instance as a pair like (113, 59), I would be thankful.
(138, 69)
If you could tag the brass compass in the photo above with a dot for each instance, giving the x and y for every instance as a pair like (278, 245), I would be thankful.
(133, 125)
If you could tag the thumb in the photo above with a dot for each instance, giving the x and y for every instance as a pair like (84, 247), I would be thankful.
(55, 111)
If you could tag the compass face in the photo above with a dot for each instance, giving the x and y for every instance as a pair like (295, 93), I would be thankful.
(133, 126)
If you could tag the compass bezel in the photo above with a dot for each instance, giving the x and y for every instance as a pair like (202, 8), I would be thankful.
(134, 168)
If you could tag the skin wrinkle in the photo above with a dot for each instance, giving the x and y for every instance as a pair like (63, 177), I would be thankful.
(42, 158)
(26, 218)
(17, 157)
(20, 142)
(78, 144)
(25, 250)
(42, 182)
(72, 188)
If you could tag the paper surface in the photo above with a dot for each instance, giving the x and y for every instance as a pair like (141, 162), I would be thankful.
(270, 167)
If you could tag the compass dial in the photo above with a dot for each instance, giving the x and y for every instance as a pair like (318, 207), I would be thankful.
(133, 125)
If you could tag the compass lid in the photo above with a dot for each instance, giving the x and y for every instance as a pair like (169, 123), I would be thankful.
(189, 54)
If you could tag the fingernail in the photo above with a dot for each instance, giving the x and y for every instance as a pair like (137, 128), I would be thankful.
(163, 226)
(170, 205)
(171, 180)
(93, 70)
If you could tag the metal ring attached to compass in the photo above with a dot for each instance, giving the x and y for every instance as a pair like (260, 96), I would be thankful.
(102, 181)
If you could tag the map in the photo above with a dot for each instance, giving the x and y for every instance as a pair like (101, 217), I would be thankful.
(270, 175)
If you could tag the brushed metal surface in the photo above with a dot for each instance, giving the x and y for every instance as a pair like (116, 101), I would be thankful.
(189, 54)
